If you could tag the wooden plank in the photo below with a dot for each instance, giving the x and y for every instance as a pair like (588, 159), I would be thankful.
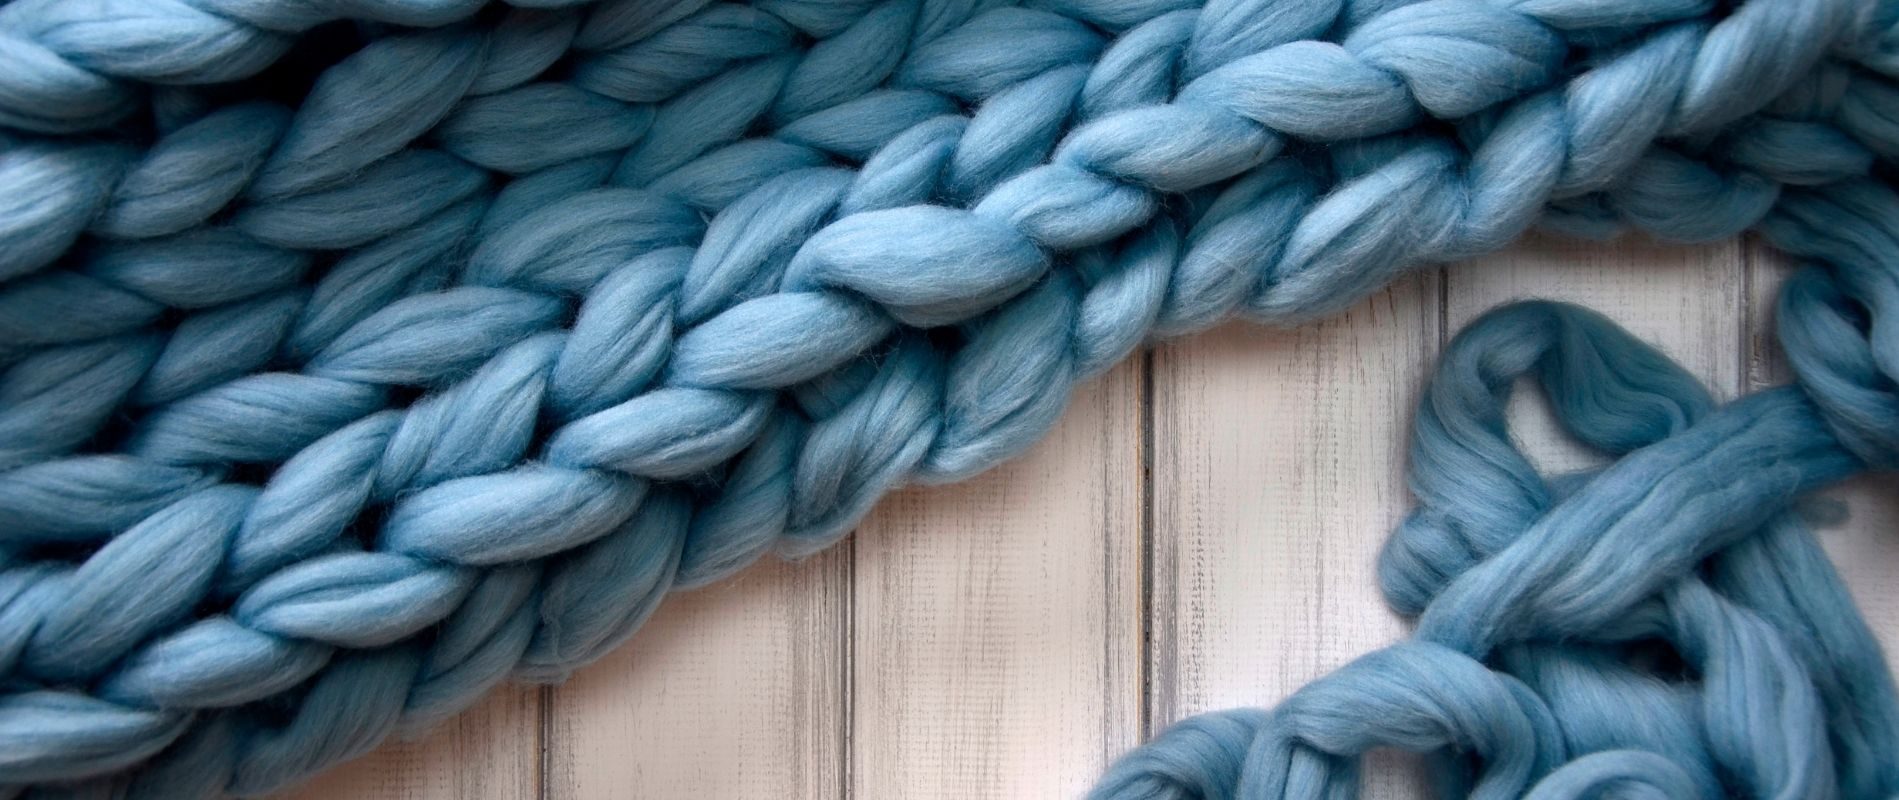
(492, 750)
(1277, 474)
(733, 691)
(1863, 548)
(997, 621)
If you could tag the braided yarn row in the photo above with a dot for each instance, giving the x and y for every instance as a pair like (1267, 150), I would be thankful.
(361, 354)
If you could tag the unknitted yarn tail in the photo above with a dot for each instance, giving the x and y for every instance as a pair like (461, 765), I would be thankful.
(1663, 627)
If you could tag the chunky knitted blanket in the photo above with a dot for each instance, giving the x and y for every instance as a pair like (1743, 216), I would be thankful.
(358, 355)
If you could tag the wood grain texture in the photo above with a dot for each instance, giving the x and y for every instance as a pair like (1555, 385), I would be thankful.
(997, 645)
(1277, 473)
(730, 691)
(492, 750)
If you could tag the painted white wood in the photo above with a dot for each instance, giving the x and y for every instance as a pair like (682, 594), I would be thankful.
(733, 691)
(997, 646)
(1277, 473)
(491, 751)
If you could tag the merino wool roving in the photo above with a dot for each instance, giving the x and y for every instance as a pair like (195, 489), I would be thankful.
(358, 355)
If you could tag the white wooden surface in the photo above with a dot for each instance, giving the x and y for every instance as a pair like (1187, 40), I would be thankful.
(1199, 532)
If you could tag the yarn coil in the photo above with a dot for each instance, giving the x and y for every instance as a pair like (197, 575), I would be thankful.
(361, 354)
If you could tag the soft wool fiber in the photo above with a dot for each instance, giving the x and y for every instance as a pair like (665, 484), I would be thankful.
(358, 355)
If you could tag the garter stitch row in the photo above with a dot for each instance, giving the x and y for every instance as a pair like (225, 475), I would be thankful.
(361, 354)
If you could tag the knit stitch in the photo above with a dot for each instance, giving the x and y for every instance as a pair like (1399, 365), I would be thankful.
(361, 354)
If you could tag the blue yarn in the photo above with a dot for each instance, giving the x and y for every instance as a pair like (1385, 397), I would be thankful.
(347, 370)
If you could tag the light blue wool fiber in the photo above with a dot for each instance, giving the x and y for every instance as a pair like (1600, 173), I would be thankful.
(359, 355)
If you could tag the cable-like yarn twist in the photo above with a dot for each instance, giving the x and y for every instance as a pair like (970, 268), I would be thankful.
(361, 354)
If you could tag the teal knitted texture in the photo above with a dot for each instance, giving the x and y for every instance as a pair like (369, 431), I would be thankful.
(359, 355)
